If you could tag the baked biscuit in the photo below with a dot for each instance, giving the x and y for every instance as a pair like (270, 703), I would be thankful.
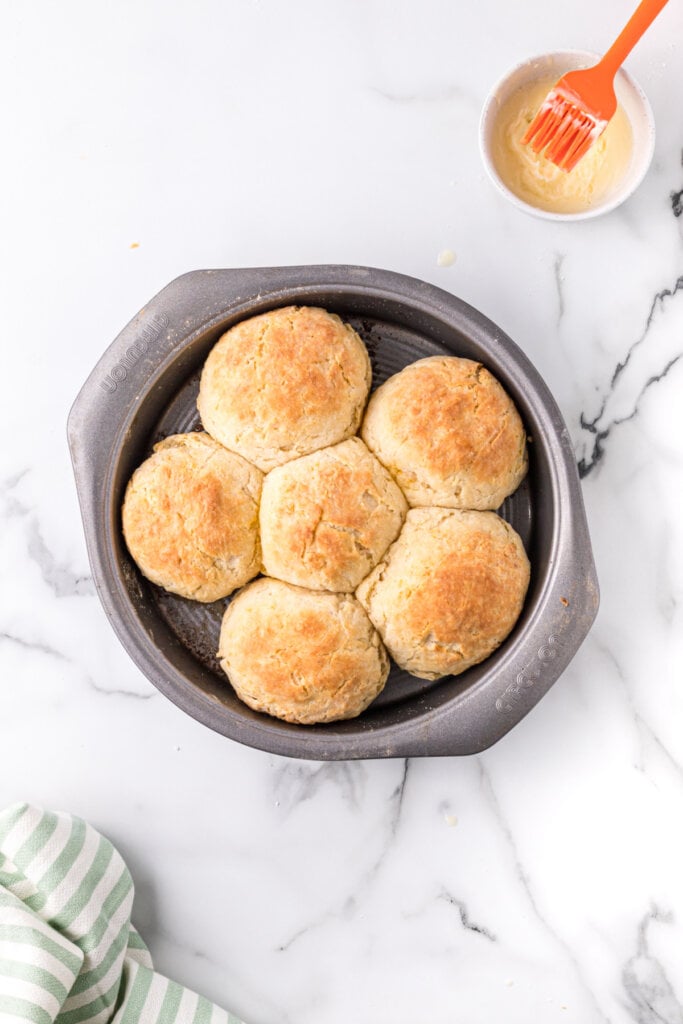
(299, 655)
(448, 591)
(284, 384)
(327, 518)
(190, 518)
(448, 433)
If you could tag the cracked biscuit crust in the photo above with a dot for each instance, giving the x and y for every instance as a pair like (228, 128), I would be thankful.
(283, 384)
(327, 518)
(190, 518)
(302, 656)
(448, 433)
(448, 591)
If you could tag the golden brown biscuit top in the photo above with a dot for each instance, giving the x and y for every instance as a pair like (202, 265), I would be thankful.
(190, 517)
(446, 428)
(471, 584)
(448, 591)
(285, 383)
(327, 518)
(301, 655)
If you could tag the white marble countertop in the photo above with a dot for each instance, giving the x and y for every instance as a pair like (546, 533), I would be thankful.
(541, 880)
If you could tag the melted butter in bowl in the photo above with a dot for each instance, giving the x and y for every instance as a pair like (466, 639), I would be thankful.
(609, 172)
(537, 180)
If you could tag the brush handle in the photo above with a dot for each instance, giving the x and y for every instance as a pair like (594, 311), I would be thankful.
(641, 19)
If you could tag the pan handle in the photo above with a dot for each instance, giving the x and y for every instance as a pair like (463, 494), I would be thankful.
(145, 345)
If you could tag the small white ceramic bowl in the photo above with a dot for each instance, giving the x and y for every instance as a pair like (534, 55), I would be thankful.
(552, 66)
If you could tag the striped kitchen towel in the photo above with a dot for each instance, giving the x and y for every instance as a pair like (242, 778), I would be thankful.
(68, 950)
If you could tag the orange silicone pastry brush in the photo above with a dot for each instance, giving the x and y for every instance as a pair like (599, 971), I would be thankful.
(578, 108)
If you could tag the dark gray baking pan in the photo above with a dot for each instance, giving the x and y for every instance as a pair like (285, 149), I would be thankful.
(145, 386)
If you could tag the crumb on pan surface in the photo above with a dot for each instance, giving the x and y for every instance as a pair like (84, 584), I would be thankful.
(448, 591)
(328, 517)
(283, 384)
(448, 433)
(300, 655)
(190, 517)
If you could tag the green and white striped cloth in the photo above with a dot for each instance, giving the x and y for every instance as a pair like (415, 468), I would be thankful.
(68, 950)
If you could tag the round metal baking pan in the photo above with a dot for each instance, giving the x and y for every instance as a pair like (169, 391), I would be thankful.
(145, 387)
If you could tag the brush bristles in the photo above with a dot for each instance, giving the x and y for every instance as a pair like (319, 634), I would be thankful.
(563, 129)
